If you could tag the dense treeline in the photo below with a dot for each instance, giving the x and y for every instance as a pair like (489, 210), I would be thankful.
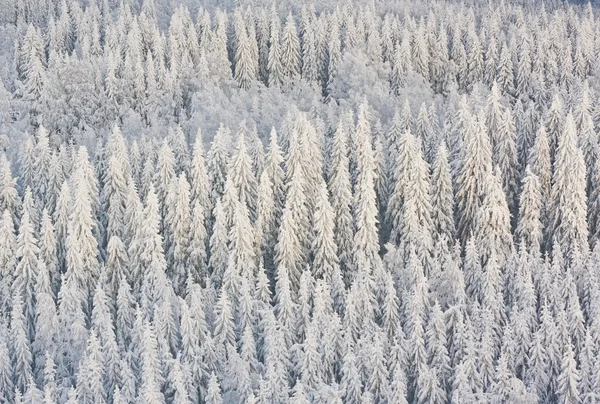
(419, 224)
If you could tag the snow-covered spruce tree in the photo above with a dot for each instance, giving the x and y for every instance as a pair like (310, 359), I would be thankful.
(492, 223)
(21, 349)
(244, 64)
(81, 245)
(199, 181)
(324, 250)
(274, 66)
(178, 222)
(366, 238)
(9, 197)
(290, 49)
(25, 272)
(216, 162)
(242, 175)
(540, 164)
(154, 284)
(569, 214)
(341, 199)
(506, 159)
(442, 197)
(529, 227)
(473, 175)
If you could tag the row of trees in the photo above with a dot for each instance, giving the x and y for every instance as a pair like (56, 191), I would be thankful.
(75, 68)
(336, 267)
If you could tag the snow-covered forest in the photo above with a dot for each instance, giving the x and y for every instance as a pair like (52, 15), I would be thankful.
(269, 203)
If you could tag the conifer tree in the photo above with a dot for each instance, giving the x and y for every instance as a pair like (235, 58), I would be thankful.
(290, 49)
(9, 198)
(290, 249)
(540, 164)
(274, 65)
(199, 182)
(474, 172)
(244, 65)
(569, 378)
(568, 191)
(442, 197)
(153, 264)
(529, 228)
(416, 223)
(21, 350)
(365, 208)
(324, 249)
(81, 245)
(217, 160)
(506, 159)
(7, 389)
(26, 270)
(219, 250)
(492, 227)
(341, 198)
(178, 221)
(242, 176)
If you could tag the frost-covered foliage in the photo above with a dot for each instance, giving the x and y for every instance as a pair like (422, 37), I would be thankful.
(351, 204)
